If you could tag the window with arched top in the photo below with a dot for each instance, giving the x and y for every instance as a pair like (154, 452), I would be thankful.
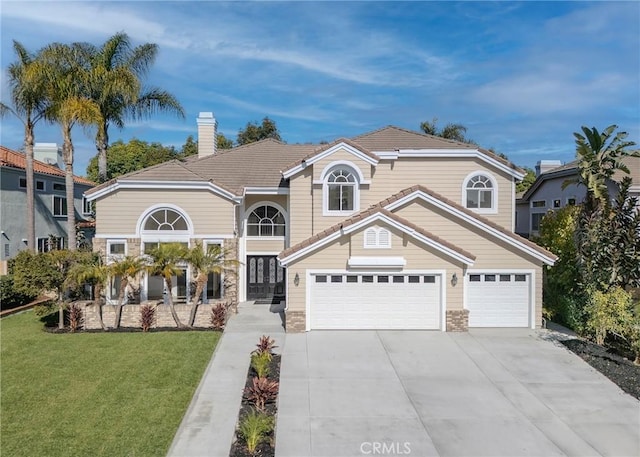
(377, 238)
(341, 190)
(165, 220)
(266, 220)
(480, 193)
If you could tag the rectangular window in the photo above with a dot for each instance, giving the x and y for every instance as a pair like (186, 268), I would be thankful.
(87, 206)
(336, 278)
(60, 187)
(7, 250)
(556, 203)
(429, 279)
(114, 287)
(367, 279)
(489, 278)
(22, 183)
(383, 278)
(59, 206)
(571, 201)
(474, 278)
(414, 279)
(505, 278)
(398, 279)
(539, 204)
(42, 244)
(148, 247)
(117, 248)
(536, 218)
(214, 286)
(39, 185)
(321, 278)
(352, 278)
(521, 278)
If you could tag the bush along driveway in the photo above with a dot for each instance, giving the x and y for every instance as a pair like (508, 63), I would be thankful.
(492, 392)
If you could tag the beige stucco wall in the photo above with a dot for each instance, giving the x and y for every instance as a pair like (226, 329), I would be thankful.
(118, 213)
(445, 176)
(257, 244)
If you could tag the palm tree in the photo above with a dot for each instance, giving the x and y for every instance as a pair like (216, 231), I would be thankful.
(450, 131)
(599, 156)
(29, 106)
(63, 68)
(128, 268)
(94, 272)
(116, 73)
(165, 262)
(205, 262)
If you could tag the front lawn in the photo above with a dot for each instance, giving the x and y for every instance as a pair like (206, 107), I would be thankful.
(110, 394)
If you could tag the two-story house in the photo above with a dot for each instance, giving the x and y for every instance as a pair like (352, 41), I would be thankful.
(392, 229)
(50, 202)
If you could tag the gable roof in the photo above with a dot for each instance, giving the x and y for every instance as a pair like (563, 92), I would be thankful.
(372, 214)
(488, 226)
(14, 159)
(566, 170)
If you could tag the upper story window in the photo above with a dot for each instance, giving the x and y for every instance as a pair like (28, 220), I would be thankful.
(539, 204)
(266, 220)
(59, 206)
(377, 238)
(165, 220)
(480, 193)
(59, 187)
(22, 184)
(341, 189)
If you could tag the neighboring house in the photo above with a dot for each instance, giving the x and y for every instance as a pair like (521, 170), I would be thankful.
(50, 203)
(547, 192)
(390, 229)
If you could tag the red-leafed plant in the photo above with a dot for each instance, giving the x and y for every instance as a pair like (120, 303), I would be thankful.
(75, 318)
(147, 317)
(218, 317)
(265, 345)
(261, 392)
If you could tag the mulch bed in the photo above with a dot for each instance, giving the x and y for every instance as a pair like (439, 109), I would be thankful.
(624, 373)
(267, 448)
(55, 329)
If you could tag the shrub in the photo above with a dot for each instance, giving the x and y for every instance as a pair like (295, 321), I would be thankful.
(608, 312)
(75, 317)
(9, 296)
(254, 428)
(46, 309)
(147, 317)
(261, 392)
(260, 363)
(218, 316)
(265, 345)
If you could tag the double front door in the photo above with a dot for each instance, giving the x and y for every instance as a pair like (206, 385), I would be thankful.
(265, 279)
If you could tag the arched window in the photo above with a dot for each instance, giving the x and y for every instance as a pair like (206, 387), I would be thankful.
(266, 220)
(480, 192)
(165, 220)
(377, 238)
(342, 187)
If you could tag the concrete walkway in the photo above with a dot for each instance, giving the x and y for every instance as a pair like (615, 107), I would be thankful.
(208, 426)
(483, 393)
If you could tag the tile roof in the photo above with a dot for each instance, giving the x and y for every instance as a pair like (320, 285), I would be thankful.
(14, 159)
(324, 147)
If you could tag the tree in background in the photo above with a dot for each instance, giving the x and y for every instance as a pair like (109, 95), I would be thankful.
(527, 181)
(451, 131)
(254, 132)
(29, 106)
(189, 148)
(116, 72)
(222, 142)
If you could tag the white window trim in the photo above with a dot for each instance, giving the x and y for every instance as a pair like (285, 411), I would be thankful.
(115, 257)
(53, 206)
(205, 245)
(174, 235)
(377, 244)
(85, 202)
(267, 238)
(538, 207)
(356, 188)
(494, 195)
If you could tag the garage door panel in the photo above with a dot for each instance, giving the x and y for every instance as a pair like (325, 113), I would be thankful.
(376, 304)
(499, 300)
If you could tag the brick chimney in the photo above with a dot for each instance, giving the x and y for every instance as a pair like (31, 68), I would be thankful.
(206, 134)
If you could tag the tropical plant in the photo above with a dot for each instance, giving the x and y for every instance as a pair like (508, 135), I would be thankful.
(260, 363)
(218, 317)
(147, 317)
(29, 106)
(261, 391)
(265, 345)
(165, 260)
(204, 262)
(115, 76)
(91, 271)
(127, 268)
(450, 131)
(75, 317)
(254, 428)
(63, 70)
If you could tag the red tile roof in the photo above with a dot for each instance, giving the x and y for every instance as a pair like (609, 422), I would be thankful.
(14, 159)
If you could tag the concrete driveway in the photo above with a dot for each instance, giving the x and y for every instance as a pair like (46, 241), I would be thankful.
(483, 393)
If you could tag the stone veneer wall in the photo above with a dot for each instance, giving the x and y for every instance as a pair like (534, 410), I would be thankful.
(295, 321)
(131, 315)
(457, 320)
(230, 285)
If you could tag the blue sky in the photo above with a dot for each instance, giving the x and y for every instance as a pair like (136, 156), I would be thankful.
(521, 76)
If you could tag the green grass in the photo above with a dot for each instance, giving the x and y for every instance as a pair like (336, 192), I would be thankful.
(92, 394)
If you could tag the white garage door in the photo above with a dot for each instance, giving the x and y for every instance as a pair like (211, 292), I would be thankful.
(375, 301)
(498, 300)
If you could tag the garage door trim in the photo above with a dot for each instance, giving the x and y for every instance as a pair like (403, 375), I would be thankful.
(532, 287)
(311, 272)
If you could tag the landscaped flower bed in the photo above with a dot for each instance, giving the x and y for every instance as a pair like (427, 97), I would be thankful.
(255, 431)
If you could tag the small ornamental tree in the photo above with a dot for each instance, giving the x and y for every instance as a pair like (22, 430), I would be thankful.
(165, 261)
